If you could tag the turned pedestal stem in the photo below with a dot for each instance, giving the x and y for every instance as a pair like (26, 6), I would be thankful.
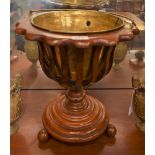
(75, 117)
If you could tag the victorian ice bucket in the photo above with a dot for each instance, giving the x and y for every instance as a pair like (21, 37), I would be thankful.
(76, 49)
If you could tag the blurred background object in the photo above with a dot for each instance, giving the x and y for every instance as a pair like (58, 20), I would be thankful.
(138, 101)
(80, 4)
(15, 102)
(32, 53)
(139, 60)
(119, 54)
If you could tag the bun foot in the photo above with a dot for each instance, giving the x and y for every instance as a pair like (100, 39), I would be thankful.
(111, 130)
(43, 136)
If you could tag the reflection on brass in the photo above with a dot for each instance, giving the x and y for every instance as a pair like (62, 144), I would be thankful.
(77, 21)
(15, 102)
(138, 101)
(119, 54)
(128, 21)
(32, 52)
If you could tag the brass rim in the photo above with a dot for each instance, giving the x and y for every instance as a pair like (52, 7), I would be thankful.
(36, 14)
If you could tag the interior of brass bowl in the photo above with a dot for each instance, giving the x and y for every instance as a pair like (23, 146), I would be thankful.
(78, 2)
(76, 21)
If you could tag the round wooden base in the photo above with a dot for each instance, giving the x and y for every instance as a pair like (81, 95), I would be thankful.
(75, 117)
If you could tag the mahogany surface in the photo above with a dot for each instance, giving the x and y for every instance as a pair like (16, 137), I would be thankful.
(75, 117)
(24, 27)
(36, 79)
(128, 140)
(134, 146)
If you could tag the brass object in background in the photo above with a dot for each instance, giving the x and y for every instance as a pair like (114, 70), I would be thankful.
(139, 59)
(80, 4)
(138, 101)
(15, 102)
(32, 54)
(119, 54)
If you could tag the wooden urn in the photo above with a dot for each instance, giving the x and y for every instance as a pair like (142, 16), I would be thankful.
(76, 49)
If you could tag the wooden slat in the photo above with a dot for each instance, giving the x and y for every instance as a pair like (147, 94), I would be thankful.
(49, 58)
(55, 58)
(104, 66)
(44, 63)
(109, 59)
(88, 75)
(79, 72)
(64, 64)
(96, 54)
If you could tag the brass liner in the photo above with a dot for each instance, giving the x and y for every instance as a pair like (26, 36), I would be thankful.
(76, 21)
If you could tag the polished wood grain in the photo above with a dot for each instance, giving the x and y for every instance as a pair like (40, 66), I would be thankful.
(128, 141)
(36, 79)
(122, 37)
(110, 38)
(75, 117)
